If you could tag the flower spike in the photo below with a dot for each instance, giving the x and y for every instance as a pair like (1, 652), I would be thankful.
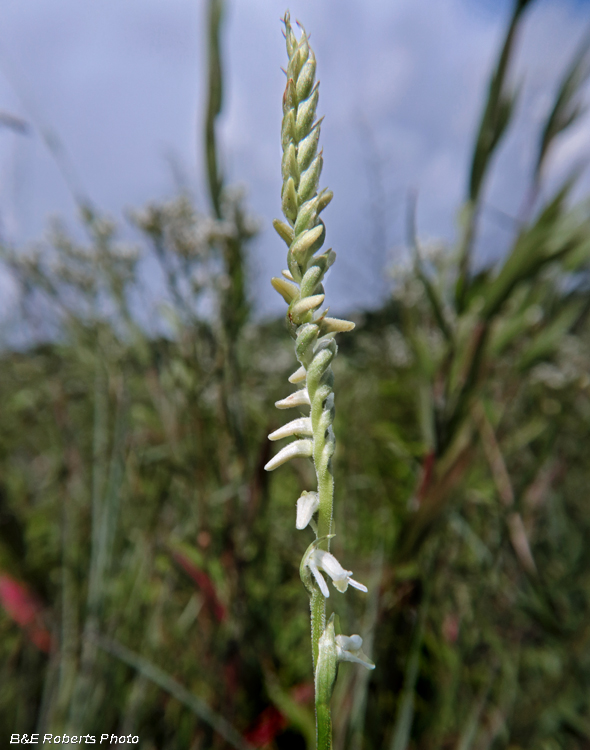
(302, 288)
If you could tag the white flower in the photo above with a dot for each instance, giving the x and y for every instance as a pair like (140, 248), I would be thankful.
(299, 398)
(307, 505)
(333, 649)
(319, 559)
(297, 449)
(349, 648)
(300, 426)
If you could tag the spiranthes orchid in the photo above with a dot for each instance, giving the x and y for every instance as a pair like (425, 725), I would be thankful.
(350, 648)
(319, 560)
(301, 286)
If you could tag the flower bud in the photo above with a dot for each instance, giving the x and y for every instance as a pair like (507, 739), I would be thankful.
(302, 245)
(283, 230)
(335, 325)
(298, 449)
(318, 366)
(286, 289)
(303, 45)
(307, 505)
(289, 36)
(323, 261)
(298, 376)
(306, 338)
(288, 129)
(290, 202)
(306, 77)
(296, 62)
(299, 398)
(289, 167)
(310, 280)
(290, 97)
(308, 182)
(305, 114)
(301, 426)
(324, 198)
(301, 307)
(307, 148)
(306, 216)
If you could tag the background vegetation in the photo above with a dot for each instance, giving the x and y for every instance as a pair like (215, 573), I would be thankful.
(148, 564)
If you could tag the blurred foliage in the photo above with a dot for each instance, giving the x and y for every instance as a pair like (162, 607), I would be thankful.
(148, 565)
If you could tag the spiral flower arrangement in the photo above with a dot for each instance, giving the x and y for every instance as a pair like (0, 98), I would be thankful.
(315, 347)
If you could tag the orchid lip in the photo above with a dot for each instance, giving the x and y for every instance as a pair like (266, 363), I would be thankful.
(349, 648)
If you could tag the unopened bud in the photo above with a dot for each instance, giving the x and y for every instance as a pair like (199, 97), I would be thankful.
(306, 216)
(323, 261)
(288, 129)
(298, 449)
(290, 202)
(306, 114)
(309, 180)
(335, 325)
(307, 505)
(307, 148)
(298, 376)
(324, 199)
(302, 245)
(289, 167)
(289, 35)
(310, 280)
(286, 289)
(301, 426)
(299, 398)
(306, 77)
(306, 337)
(290, 97)
(283, 230)
(303, 306)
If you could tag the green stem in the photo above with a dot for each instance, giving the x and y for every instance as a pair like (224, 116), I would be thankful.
(214, 178)
(317, 605)
(319, 390)
(321, 419)
(325, 481)
(324, 727)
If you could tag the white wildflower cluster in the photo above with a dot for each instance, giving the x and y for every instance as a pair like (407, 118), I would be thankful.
(570, 367)
(178, 226)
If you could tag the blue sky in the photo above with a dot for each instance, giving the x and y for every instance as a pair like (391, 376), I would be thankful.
(402, 82)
